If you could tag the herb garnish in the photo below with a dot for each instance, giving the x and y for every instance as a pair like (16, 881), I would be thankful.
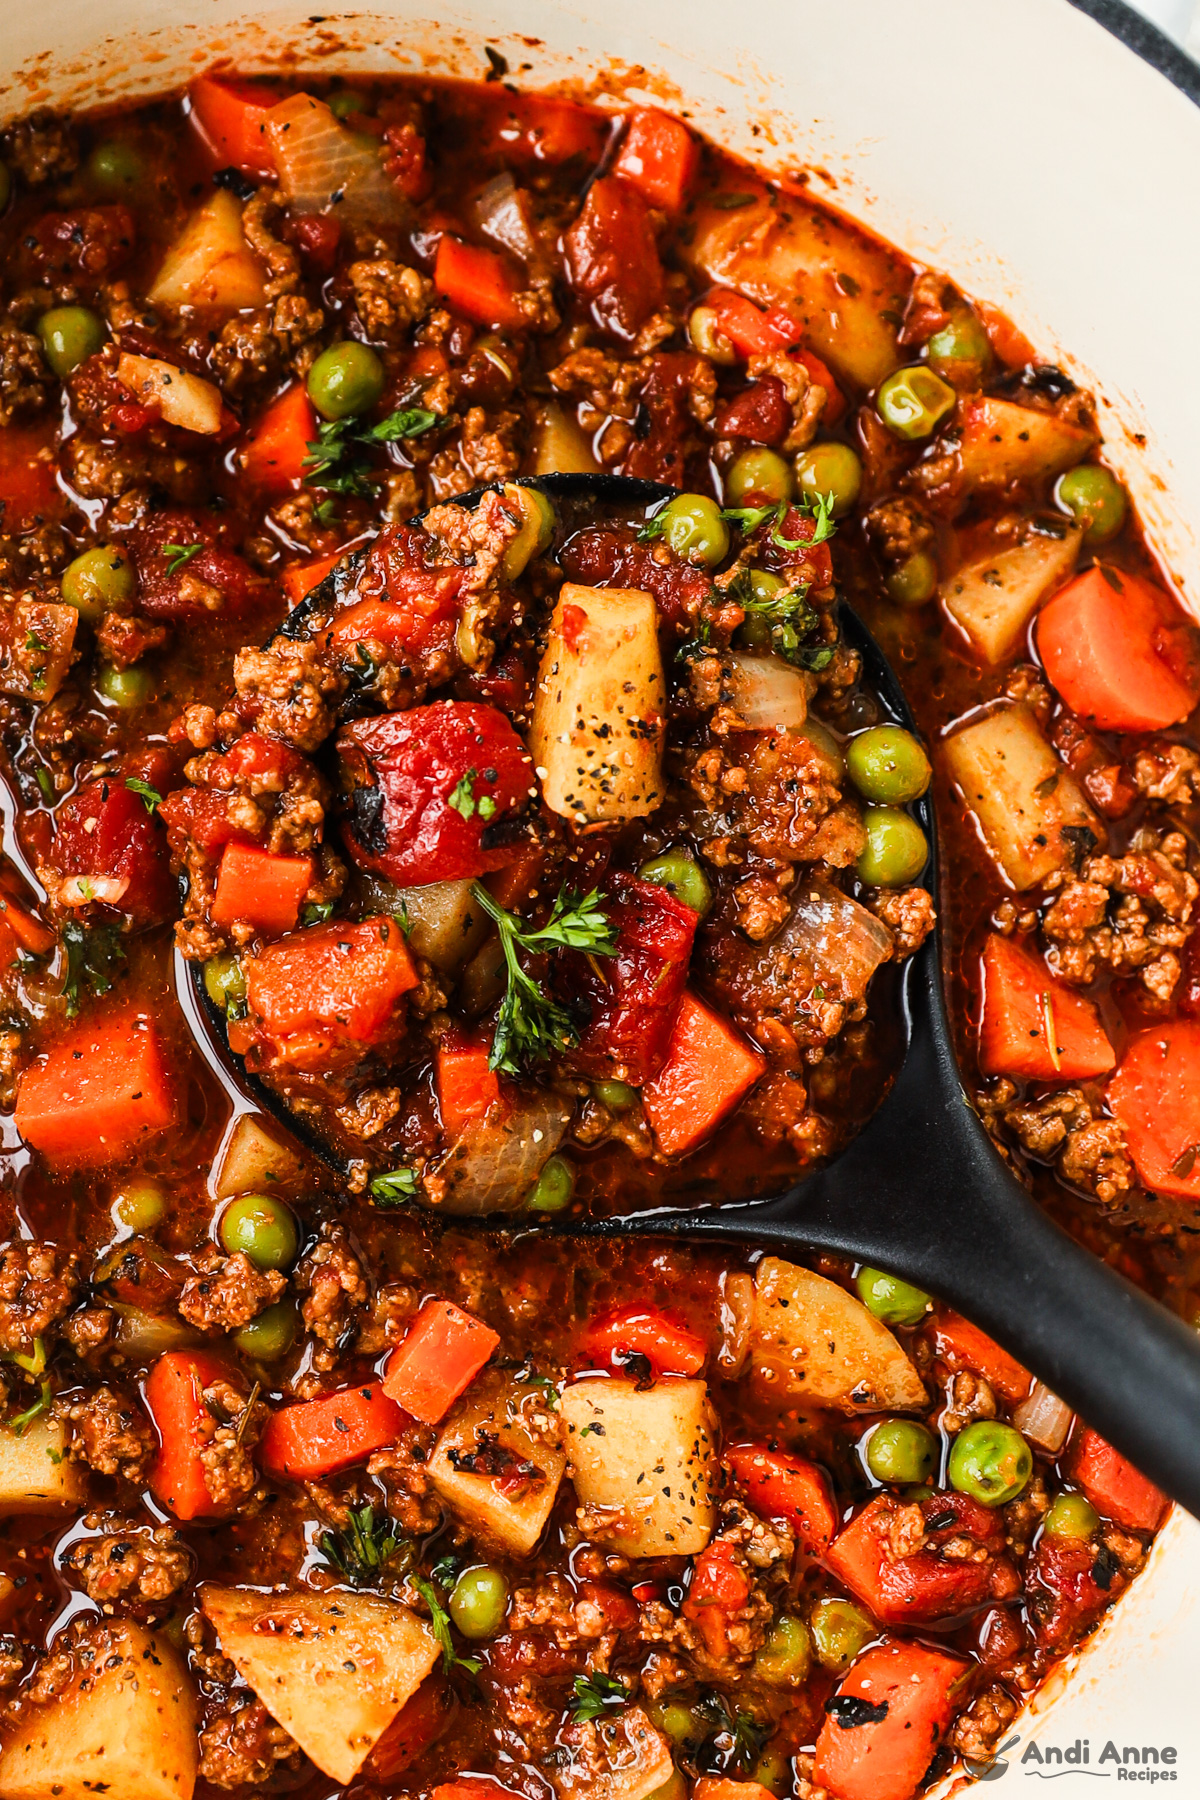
(20, 1425)
(92, 958)
(595, 1694)
(463, 797)
(177, 556)
(532, 1026)
(394, 1188)
(148, 796)
(439, 1618)
(337, 462)
(362, 1547)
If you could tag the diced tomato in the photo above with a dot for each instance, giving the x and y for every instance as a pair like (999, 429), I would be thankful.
(434, 789)
(724, 1787)
(783, 1486)
(612, 257)
(260, 890)
(90, 243)
(709, 1068)
(1032, 1025)
(820, 373)
(923, 1587)
(320, 1437)
(419, 1723)
(99, 1094)
(175, 1401)
(538, 128)
(760, 412)
(477, 284)
(408, 164)
(444, 1350)
(789, 546)
(660, 157)
(665, 425)
(1114, 1487)
(648, 1331)
(201, 814)
(404, 602)
(1155, 1094)
(886, 1721)
(316, 236)
(103, 829)
(750, 330)
(719, 1588)
(1065, 1596)
(230, 116)
(28, 476)
(964, 1346)
(633, 997)
(195, 586)
(329, 991)
(618, 1609)
(1120, 651)
(275, 446)
(302, 578)
(467, 1089)
(610, 556)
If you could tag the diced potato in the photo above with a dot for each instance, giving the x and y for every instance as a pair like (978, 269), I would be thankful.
(993, 596)
(445, 924)
(623, 1758)
(333, 1669)
(560, 444)
(644, 1460)
(123, 1726)
(182, 399)
(1001, 443)
(1026, 803)
(36, 1474)
(598, 715)
(255, 1162)
(811, 1340)
(508, 1501)
(849, 290)
(37, 646)
(210, 263)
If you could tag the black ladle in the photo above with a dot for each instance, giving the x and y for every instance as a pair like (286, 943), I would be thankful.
(922, 1192)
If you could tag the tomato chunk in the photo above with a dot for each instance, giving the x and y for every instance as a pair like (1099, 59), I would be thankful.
(924, 1586)
(886, 1721)
(719, 1589)
(1065, 1595)
(1120, 651)
(760, 413)
(709, 1068)
(647, 1331)
(175, 1401)
(101, 1093)
(1033, 1025)
(439, 1359)
(634, 997)
(659, 156)
(184, 573)
(1114, 1487)
(328, 991)
(105, 831)
(965, 1346)
(1155, 1093)
(782, 1486)
(467, 1089)
(612, 257)
(320, 1437)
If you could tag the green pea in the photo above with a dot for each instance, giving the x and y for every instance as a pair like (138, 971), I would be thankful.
(913, 582)
(69, 334)
(901, 1450)
(913, 402)
(5, 186)
(263, 1228)
(693, 527)
(139, 1206)
(990, 1461)
(754, 633)
(887, 764)
(839, 1630)
(348, 101)
(271, 1335)
(773, 1770)
(224, 983)
(1096, 500)
(831, 468)
(758, 477)
(1072, 1516)
(552, 1190)
(896, 850)
(345, 379)
(682, 876)
(617, 1096)
(891, 1299)
(960, 351)
(126, 688)
(97, 580)
(786, 1656)
(479, 1602)
(537, 529)
(676, 1721)
(115, 167)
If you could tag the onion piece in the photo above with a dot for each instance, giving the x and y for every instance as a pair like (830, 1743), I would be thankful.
(500, 214)
(840, 941)
(497, 1159)
(828, 748)
(325, 167)
(768, 694)
(1044, 1419)
(82, 890)
(143, 1335)
(736, 1316)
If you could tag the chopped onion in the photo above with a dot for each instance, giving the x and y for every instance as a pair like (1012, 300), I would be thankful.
(768, 694)
(182, 399)
(325, 167)
(501, 215)
(1044, 1419)
(142, 1336)
(82, 890)
(497, 1159)
(837, 942)
(736, 1319)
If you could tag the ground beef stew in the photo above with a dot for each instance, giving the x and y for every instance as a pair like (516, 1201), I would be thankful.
(539, 857)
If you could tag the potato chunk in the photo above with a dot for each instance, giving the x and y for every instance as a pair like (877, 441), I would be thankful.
(619, 1757)
(210, 263)
(811, 1340)
(1002, 442)
(334, 1669)
(255, 1162)
(598, 715)
(124, 1725)
(1026, 803)
(643, 1464)
(496, 1466)
(36, 1475)
(182, 399)
(994, 595)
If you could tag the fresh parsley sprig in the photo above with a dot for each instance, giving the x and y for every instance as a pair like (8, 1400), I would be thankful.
(177, 556)
(149, 797)
(338, 460)
(533, 1026)
(363, 1547)
(595, 1694)
(439, 1619)
(818, 507)
(395, 1187)
(464, 800)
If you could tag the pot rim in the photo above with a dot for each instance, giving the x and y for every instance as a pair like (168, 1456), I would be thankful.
(1146, 40)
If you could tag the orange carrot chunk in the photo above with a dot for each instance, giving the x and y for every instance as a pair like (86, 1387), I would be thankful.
(1034, 1026)
(668, 1345)
(100, 1093)
(781, 1486)
(476, 283)
(326, 990)
(438, 1360)
(1120, 652)
(964, 1346)
(886, 1721)
(302, 578)
(264, 890)
(320, 1437)
(175, 1401)
(1114, 1487)
(659, 156)
(274, 449)
(709, 1068)
(230, 115)
(467, 1089)
(1155, 1094)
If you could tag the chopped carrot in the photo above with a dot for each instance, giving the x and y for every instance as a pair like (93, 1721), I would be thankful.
(476, 283)
(709, 1068)
(302, 578)
(1114, 1487)
(28, 475)
(175, 1401)
(648, 1331)
(467, 1089)
(659, 156)
(1033, 1025)
(1155, 1095)
(418, 1723)
(1119, 651)
(320, 1437)
(781, 1486)
(99, 1094)
(275, 447)
(964, 1346)
(908, 1694)
(439, 1359)
(26, 927)
(750, 330)
(230, 117)
(327, 987)
(260, 889)
(724, 1787)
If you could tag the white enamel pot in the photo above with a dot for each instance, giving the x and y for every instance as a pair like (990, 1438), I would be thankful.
(1044, 153)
